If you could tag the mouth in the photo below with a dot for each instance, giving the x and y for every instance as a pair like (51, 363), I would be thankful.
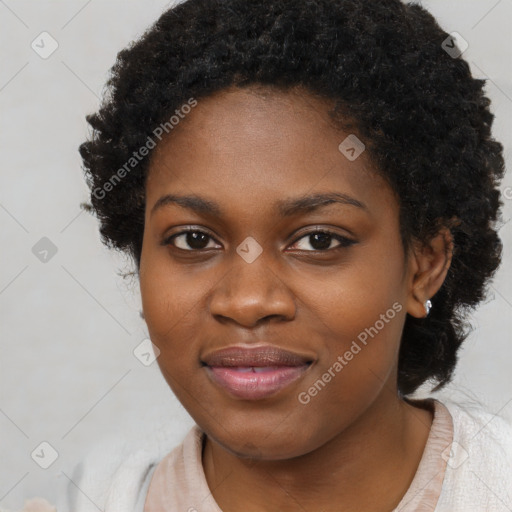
(255, 373)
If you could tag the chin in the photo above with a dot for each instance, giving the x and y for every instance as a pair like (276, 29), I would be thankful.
(265, 446)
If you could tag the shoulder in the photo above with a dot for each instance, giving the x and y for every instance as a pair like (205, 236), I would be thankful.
(115, 474)
(482, 431)
(478, 462)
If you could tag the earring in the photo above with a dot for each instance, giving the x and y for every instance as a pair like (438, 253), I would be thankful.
(428, 305)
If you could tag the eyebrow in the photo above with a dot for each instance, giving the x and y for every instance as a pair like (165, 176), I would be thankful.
(285, 207)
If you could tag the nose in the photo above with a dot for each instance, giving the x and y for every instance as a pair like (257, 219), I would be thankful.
(250, 293)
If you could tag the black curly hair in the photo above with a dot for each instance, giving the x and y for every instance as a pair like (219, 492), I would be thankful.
(424, 119)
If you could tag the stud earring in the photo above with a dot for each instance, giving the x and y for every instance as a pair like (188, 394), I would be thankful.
(428, 305)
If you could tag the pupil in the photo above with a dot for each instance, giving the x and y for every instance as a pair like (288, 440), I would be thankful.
(193, 240)
(323, 238)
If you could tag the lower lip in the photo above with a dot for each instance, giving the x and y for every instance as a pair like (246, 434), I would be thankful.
(251, 385)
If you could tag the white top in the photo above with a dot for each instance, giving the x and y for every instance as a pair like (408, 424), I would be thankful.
(477, 470)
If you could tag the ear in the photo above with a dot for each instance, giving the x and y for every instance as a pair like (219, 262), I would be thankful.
(428, 266)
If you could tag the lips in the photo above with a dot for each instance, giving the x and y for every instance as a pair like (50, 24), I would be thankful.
(256, 372)
(266, 355)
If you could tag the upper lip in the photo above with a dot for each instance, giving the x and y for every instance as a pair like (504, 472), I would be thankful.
(262, 355)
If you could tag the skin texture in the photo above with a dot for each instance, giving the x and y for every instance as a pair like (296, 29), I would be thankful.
(355, 445)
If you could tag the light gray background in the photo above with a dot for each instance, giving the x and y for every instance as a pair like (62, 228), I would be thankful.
(69, 326)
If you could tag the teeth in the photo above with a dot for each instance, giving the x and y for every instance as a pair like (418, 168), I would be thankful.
(254, 369)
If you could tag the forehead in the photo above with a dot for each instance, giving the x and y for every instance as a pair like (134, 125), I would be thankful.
(253, 146)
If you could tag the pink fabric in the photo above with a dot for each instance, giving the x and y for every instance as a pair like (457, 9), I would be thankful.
(179, 482)
(425, 489)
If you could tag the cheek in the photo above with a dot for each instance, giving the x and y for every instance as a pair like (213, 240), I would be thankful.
(363, 309)
(359, 348)
(172, 300)
(170, 313)
(354, 296)
(357, 361)
(166, 291)
(358, 312)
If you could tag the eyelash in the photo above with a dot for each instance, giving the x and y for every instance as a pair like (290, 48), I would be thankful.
(344, 241)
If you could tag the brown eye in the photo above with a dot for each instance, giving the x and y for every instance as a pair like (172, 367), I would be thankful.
(189, 240)
(322, 240)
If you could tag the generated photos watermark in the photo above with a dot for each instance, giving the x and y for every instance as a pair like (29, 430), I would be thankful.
(143, 151)
(304, 397)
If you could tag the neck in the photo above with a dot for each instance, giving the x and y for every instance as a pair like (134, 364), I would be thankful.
(368, 466)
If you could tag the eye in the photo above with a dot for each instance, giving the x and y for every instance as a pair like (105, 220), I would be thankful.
(189, 240)
(322, 239)
(193, 239)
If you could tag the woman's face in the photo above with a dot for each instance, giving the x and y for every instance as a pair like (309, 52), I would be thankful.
(253, 273)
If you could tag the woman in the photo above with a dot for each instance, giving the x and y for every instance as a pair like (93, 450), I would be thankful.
(309, 192)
